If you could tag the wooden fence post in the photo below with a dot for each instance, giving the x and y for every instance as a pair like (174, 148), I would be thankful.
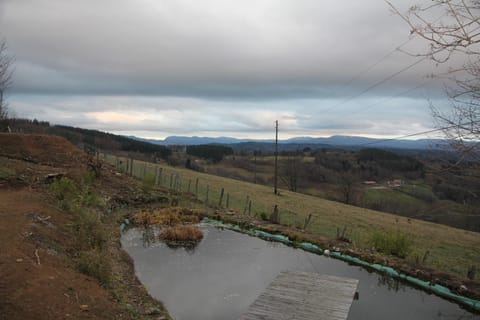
(179, 183)
(246, 205)
(131, 167)
(275, 217)
(221, 197)
(160, 172)
(249, 207)
(206, 197)
(196, 188)
(156, 175)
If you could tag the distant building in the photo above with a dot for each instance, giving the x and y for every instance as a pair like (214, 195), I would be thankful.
(395, 183)
(369, 182)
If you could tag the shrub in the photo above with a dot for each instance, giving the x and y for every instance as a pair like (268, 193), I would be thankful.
(64, 189)
(95, 263)
(264, 216)
(91, 199)
(66, 192)
(395, 243)
(88, 231)
(89, 177)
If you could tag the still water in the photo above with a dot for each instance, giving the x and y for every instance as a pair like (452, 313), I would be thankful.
(227, 270)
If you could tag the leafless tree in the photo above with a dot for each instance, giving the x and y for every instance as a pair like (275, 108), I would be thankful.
(457, 29)
(291, 171)
(452, 27)
(347, 186)
(6, 62)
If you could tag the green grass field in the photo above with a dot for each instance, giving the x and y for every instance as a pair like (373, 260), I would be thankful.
(450, 250)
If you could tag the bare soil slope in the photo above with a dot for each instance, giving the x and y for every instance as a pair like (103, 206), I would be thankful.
(42, 149)
(38, 278)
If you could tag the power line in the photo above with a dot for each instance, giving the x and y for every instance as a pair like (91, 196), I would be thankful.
(378, 83)
(389, 99)
(406, 136)
(398, 48)
(376, 63)
(420, 133)
(429, 79)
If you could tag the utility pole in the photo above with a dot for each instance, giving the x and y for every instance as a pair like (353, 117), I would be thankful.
(276, 158)
(255, 166)
(2, 108)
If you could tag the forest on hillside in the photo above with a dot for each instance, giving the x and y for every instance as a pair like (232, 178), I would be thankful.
(420, 184)
(91, 140)
(426, 186)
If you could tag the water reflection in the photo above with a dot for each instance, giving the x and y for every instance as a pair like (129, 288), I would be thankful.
(148, 236)
(188, 246)
(390, 283)
(227, 271)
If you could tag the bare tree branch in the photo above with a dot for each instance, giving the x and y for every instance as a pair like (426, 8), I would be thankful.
(6, 62)
(456, 31)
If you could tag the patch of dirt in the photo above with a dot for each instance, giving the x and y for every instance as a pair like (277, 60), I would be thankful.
(38, 278)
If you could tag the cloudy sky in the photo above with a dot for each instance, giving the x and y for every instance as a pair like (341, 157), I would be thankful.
(155, 68)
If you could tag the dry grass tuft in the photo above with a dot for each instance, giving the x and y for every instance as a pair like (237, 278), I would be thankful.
(182, 233)
(167, 216)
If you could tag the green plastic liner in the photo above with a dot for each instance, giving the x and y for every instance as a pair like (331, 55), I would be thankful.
(427, 286)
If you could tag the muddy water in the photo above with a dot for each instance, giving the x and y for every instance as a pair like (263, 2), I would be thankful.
(226, 272)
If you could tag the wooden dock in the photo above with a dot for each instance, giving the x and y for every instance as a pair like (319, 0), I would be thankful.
(304, 296)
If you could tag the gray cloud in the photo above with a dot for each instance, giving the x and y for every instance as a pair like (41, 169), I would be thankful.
(216, 66)
(162, 116)
(213, 48)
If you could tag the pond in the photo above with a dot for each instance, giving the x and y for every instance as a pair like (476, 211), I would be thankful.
(227, 270)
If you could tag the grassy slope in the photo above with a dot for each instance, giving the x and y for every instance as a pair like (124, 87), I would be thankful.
(451, 250)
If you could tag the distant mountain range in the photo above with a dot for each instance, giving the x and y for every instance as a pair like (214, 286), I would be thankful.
(298, 142)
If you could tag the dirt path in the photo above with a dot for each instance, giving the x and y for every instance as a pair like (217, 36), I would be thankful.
(42, 287)
(38, 276)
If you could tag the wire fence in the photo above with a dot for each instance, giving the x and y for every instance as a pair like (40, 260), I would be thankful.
(212, 194)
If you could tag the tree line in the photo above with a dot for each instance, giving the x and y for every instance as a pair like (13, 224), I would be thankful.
(90, 140)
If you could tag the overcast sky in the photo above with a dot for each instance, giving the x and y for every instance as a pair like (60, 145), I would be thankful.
(155, 68)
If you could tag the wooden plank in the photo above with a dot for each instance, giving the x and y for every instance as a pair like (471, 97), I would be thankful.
(304, 296)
